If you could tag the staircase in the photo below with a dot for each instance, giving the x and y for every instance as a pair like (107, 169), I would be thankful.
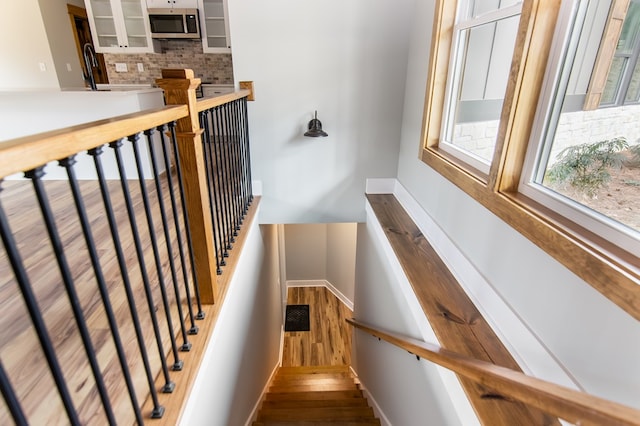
(313, 396)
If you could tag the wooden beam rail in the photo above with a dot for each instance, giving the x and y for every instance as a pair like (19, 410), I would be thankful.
(28, 152)
(574, 406)
(208, 103)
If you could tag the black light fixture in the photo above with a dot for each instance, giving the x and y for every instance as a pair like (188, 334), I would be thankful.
(315, 128)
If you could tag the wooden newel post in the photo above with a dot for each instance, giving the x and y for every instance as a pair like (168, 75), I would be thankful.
(179, 87)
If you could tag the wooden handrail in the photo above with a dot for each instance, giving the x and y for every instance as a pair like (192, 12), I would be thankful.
(574, 406)
(206, 103)
(28, 152)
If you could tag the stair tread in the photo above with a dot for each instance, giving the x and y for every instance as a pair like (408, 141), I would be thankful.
(319, 423)
(287, 403)
(315, 395)
(317, 414)
(311, 377)
(314, 369)
(314, 387)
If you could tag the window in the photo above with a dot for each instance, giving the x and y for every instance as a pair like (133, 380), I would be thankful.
(555, 82)
(574, 153)
(482, 49)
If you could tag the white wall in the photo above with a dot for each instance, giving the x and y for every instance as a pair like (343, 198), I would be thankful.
(348, 61)
(61, 42)
(322, 252)
(341, 257)
(245, 345)
(408, 391)
(596, 342)
(306, 251)
(23, 47)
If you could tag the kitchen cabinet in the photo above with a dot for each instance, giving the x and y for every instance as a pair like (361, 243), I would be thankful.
(214, 26)
(172, 4)
(120, 26)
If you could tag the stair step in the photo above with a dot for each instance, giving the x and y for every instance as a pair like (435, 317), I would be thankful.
(322, 423)
(326, 387)
(315, 403)
(317, 414)
(314, 369)
(315, 395)
(313, 377)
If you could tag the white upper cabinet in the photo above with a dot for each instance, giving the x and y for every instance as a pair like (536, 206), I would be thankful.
(119, 26)
(214, 26)
(172, 4)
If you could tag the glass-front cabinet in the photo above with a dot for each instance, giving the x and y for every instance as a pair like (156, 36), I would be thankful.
(214, 26)
(119, 26)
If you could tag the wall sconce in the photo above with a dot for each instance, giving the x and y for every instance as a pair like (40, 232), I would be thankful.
(315, 128)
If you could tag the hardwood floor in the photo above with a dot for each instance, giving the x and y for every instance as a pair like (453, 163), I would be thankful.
(20, 350)
(329, 340)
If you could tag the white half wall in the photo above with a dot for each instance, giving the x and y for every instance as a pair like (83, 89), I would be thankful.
(245, 345)
(347, 60)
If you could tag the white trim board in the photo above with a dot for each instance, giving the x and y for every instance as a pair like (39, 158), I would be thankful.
(320, 283)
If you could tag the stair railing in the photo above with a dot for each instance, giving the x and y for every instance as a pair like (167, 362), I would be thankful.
(574, 406)
(104, 278)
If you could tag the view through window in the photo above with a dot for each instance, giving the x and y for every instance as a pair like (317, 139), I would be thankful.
(587, 163)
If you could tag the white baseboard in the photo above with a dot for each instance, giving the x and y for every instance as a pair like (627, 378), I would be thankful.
(321, 283)
(256, 408)
(384, 421)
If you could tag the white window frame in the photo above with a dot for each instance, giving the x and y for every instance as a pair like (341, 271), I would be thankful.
(454, 78)
(543, 133)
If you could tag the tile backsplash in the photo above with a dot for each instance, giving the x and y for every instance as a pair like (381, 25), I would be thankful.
(210, 67)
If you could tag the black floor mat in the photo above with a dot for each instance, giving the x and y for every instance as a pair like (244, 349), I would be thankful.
(297, 318)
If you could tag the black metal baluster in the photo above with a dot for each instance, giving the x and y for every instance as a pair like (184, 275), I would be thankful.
(158, 410)
(245, 154)
(10, 399)
(225, 174)
(178, 364)
(248, 149)
(241, 153)
(176, 221)
(221, 184)
(236, 164)
(229, 160)
(169, 386)
(186, 345)
(36, 178)
(68, 164)
(241, 159)
(172, 127)
(36, 317)
(211, 182)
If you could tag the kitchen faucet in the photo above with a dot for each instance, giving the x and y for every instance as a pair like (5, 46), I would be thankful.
(90, 61)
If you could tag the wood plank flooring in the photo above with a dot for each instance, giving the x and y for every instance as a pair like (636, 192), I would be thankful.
(329, 340)
(20, 350)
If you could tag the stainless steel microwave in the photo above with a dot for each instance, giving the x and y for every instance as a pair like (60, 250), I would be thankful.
(174, 23)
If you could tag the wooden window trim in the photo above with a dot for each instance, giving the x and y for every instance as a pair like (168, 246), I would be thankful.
(610, 270)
